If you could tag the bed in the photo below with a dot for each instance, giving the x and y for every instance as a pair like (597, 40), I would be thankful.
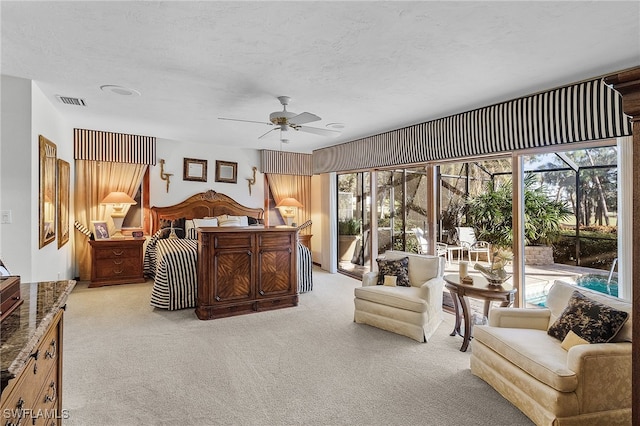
(172, 261)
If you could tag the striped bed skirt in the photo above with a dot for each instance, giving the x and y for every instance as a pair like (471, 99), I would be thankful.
(305, 269)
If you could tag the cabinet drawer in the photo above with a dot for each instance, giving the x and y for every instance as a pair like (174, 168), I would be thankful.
(117, 252)
(240, 240)
(115, 268)
(276, 240)
(37, 385)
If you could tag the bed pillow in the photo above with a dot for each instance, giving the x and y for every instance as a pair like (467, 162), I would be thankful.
(228, 220)
(209, 221)
(177, 224)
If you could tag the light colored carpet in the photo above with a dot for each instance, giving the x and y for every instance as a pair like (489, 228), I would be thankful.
(126, 363)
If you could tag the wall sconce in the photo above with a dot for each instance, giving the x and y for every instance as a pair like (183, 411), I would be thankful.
(252, 181)
(118, 200)
(165, 176)
(288, 207)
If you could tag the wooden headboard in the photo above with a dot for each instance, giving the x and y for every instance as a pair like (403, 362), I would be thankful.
(204, 204)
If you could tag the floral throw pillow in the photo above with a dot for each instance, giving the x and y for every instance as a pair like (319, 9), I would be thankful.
(396, 267)
(589, 319)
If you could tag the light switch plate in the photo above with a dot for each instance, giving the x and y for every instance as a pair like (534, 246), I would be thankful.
(5, 216)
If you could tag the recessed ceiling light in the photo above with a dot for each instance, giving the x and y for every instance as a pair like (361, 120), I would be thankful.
(119, 90)
(335, 126)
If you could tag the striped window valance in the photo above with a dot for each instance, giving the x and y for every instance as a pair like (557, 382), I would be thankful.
(96, 145)
(286, 163)
(584, 111)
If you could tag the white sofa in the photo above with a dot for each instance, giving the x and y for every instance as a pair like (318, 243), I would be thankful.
(415, 311)
(589, 384)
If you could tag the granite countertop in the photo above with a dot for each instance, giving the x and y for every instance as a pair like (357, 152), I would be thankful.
(21, 330)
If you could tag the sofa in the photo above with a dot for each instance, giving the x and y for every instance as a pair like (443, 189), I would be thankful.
(414, 310)
(520, 354)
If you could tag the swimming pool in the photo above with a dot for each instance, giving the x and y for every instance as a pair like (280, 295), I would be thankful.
(593, 282)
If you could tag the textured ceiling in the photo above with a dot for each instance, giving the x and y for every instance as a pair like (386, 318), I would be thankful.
(374, 66)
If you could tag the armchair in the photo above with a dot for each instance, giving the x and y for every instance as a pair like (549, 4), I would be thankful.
(414, 311)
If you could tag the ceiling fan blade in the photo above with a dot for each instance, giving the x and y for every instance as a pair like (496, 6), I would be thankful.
(245, 121)
(275, 128)
(315, 130)
(303, 118)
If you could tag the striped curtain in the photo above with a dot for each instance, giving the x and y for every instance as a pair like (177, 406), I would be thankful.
(298, 187)
(105, 162)
(585, 111)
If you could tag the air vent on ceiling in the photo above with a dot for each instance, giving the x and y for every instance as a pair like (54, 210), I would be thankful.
(71, 101)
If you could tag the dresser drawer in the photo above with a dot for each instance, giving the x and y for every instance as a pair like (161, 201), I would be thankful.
(119, 267)
(116, 252)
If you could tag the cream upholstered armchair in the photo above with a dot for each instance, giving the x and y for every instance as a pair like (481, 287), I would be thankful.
(413, 309)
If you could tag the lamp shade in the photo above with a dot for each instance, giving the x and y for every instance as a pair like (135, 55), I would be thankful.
(118, 197)
(289, 202)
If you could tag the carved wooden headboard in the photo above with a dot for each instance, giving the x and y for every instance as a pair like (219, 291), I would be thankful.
(204, 204)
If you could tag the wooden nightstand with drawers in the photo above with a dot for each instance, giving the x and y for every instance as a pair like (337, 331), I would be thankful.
(116, 262)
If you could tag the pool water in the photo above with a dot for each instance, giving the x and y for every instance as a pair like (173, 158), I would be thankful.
(593, 282)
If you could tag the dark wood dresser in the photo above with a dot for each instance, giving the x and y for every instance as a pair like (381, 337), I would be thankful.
(244, 270)
(117, 262)
(31, 356)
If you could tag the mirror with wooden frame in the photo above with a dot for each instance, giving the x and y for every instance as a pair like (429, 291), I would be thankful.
(47, 213)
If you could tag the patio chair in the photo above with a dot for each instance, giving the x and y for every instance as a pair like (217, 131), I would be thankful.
(467, 240)
(423, 245)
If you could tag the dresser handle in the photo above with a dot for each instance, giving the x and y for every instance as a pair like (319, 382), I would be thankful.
(118, 272)
(52, 354)
(118, 253)
(48, 398)
(118, 262)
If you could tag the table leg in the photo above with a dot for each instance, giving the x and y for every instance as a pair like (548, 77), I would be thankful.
(466, 313)
(456, 327)
(487, 306)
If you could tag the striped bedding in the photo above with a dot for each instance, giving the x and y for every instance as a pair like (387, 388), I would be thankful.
(172, 263)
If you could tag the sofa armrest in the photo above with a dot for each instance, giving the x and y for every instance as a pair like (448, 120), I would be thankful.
(597, 366)
(369, 278)
(520, 318)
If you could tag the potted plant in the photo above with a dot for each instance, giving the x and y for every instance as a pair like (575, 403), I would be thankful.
(348, 234)
(491, 215)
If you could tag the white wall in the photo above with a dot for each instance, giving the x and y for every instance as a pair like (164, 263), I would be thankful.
(50, 262)
(174, 153)
(26, 114)
(16, 240)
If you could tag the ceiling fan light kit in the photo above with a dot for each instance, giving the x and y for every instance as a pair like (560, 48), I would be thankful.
(283, 120)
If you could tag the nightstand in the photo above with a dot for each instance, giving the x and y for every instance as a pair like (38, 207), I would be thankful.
(116, 262)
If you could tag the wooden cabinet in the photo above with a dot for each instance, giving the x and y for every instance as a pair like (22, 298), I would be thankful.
(116, 262)
(244, 270)
(34, 397)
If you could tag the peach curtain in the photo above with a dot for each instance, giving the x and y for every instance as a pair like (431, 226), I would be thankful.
(296, 186)
(94, 180)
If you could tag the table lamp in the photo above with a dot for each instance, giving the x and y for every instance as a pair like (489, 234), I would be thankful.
(118, 200)
(288, 208)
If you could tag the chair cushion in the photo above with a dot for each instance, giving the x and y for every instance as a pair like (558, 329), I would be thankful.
(394, 267)
(589, 319)
(398, 297)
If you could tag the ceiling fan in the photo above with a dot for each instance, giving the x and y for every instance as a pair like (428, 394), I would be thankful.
(283, 120)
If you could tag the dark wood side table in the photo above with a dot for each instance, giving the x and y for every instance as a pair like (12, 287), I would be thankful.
(116, 262)
(480, 289)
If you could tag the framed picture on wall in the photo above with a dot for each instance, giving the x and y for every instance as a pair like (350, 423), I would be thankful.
(194, 170)
(226, 171)
(63, 202)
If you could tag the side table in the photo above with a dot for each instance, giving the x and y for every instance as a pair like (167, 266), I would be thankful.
(479, 289)
(117, 261)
